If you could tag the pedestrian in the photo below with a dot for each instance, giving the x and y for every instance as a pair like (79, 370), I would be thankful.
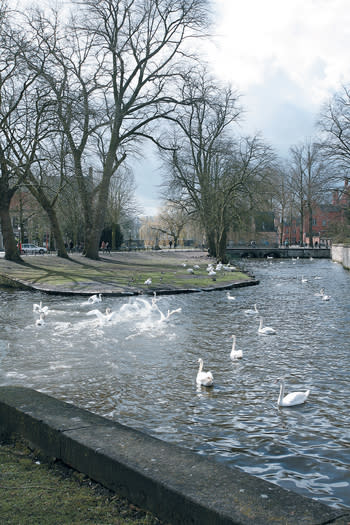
(71, 246)
(170, 243)
(108, 249)
(103, 246)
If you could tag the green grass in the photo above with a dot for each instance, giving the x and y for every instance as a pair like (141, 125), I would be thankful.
(35, 492)
(121, 270)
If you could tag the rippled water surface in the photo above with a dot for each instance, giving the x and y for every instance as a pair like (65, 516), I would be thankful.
(140, 369)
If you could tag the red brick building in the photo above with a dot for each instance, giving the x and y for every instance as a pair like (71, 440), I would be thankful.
(326, 218)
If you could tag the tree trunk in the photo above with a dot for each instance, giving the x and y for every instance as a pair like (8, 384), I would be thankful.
(55, 228)
(11, 251)
(311, 242)
(221, 247)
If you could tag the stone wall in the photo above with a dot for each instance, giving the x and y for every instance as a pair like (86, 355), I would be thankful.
(341, 254)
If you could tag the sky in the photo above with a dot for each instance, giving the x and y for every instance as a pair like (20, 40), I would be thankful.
(285, 58)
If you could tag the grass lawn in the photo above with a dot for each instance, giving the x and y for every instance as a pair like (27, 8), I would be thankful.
(120, 271)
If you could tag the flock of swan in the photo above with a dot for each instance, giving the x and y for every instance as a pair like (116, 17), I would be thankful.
(109, 316)
(291, 399)
(203, 378)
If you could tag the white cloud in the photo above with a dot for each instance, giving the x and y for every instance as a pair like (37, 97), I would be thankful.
(307, 38)
(286, 57)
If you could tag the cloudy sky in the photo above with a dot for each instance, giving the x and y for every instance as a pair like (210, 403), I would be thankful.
(285, 57)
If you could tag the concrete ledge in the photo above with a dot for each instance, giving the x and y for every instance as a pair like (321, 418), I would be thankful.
(177, 485)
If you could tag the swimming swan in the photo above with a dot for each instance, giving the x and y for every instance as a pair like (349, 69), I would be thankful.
(291, 399)
(252, 311)
(93, 299)
(235, 354)
(204, 378)
(265, 330)
(230, 297)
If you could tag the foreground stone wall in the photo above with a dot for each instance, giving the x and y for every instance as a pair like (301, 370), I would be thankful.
(341, 254)
(177, 485)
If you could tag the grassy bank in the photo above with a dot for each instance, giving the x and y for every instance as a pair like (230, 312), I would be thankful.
(34, 491)
(120, 272)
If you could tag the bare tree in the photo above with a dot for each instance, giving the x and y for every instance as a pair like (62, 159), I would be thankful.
(208, 167)
(310, 178)
(172, 220)
(122, 205)
(15, 81)
(111, 79)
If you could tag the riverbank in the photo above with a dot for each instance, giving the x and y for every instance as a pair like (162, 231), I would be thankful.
(181, 487)
(35, 490)
(121, 273)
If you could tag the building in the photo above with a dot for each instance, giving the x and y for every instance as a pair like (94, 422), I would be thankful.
(326, 220)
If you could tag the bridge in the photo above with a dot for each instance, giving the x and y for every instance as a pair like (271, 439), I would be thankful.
(278, 253)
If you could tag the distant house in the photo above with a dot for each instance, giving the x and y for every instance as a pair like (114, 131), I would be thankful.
(324, 219)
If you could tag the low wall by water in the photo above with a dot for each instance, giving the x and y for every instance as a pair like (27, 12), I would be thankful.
(341, 254)
(177, 485)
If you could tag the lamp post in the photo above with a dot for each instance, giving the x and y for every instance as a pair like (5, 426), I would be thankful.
(19, 240)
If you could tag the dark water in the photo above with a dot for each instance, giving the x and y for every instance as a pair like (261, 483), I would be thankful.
(140, 370)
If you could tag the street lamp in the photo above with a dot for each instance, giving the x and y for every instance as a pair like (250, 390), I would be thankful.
(19, 239)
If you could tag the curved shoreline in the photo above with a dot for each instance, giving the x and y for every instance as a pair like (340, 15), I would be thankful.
(122, 274)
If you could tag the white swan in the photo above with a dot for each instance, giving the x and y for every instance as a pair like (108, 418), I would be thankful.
(325, 297)
(108, 316)
(40, 308)
(265, 330)
(235, 354)
(169, 314)
(148, 281)
(303, 280)
(230, 297)
(204, 378)
(94, 299)
(252, 310)
(291, 399)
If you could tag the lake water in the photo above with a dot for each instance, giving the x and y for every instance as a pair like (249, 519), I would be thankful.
(140, 369)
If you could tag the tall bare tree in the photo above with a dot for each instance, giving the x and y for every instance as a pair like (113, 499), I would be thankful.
(15, 81)
(208, 166)
(310, 178)
(112, 79)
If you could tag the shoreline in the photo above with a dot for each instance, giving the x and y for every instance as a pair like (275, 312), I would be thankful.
(122, 274)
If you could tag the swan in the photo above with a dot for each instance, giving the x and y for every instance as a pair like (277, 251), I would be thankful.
(95, 299)
(291, 399)
(154, 300)
(108, 316)
(252, 311)
(235, 354)
(148, 281)
(265, 330)
(190, 270)
(169, 314)
(204, 378)
(230, 297)
(303, 280)
(325, 297)
(41, 320)
(40, 308)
